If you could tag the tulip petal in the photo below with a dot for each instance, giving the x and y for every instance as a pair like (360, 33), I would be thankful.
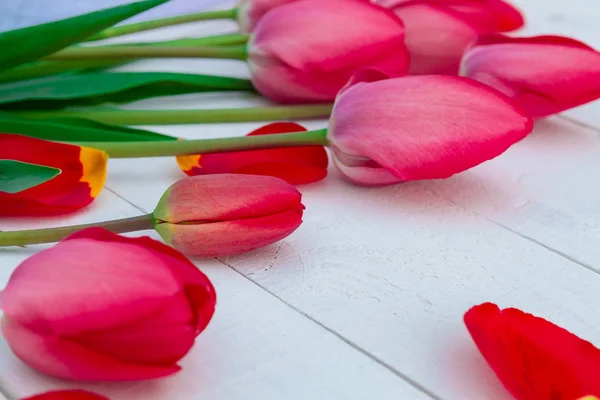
(83, 172)
(534, 358)
(62, 358)
(231, 237)
(306, 51)
(197, 286)
(544, 75)
(67, 395)
(220, 198)
(296, 165)
(436, 37)
(32, 294)
(425, 127)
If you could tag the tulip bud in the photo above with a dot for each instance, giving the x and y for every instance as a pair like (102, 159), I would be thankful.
(220, 215)
(307, 50)
(67, 395)
(81, 178)
(544, 75)
(102, 307)
(385, 131)
(251, 11)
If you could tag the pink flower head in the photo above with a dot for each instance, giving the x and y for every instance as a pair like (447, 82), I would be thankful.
(487, 15)
(307, 50)
(251, 11)
(225, 214)
(544, 75)
(103, 307)
(67, 395)
(422, 127)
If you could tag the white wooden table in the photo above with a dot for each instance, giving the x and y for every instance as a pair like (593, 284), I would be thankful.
(365, 300)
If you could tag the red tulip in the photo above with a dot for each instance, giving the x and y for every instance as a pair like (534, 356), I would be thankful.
(487, 15)
(221, 215)
(307, 50)
(67, 395)
(544, 75)
(102, 307)
(297, 165)
(534, 358)
(251, 11)
(83, 172)
(421, 127)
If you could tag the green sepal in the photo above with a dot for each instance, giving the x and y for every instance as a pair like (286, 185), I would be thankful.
(17, 176)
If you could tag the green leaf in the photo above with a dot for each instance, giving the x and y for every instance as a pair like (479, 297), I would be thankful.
(16, 176)
(103, 87)
(75, 130)
(20, 46)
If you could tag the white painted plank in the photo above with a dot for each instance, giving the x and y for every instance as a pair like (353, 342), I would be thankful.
(256, 345)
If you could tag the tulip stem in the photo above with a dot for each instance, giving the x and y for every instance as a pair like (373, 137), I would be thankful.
(184, 117)
(49, 235)
(135, 52)
(164, 22)
(182, 147)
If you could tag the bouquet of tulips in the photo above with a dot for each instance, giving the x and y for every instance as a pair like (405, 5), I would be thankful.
(413, 89)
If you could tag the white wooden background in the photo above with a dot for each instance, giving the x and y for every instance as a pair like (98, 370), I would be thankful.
(365, 300)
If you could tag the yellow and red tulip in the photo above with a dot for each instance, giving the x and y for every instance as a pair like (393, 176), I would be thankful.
(81, 178)
(296, 165)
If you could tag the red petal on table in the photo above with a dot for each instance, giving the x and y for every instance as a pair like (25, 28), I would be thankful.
(67, 395)
(83, 172)
(297, 165)
(534, 358)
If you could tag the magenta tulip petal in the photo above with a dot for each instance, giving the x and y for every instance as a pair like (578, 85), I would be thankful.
(306, 51)
(423, 127)
(251, 11)
(67, 395)
(436, 38)
(544, 75)
(63, 358)
(34, 295)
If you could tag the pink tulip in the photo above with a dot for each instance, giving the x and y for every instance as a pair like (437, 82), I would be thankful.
(436, 37)
(307, 50)
(544, 75)
(251, 11)
(225, 214)
(487, 15)
(103, 307)
(422, 127)
(67, 395)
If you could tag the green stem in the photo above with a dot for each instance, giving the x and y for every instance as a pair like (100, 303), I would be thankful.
(184, 117)
(135, 52)
(163, 22)
(217, 40)
(182, 147)
(36, 236)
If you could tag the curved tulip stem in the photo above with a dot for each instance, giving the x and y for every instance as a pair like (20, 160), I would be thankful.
(164, 22)
(182, 147)
(49, 235)
(185, 117)
(135, 52)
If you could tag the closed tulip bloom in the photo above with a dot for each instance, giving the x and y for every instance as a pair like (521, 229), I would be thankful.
(307, 50)
(385, 131)
(251, 11)
(102, 307)
(296, 165)
(544, 75)
(487, 15)
(436, 37)
(80, 181)
(225, 214)
(67, 395)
